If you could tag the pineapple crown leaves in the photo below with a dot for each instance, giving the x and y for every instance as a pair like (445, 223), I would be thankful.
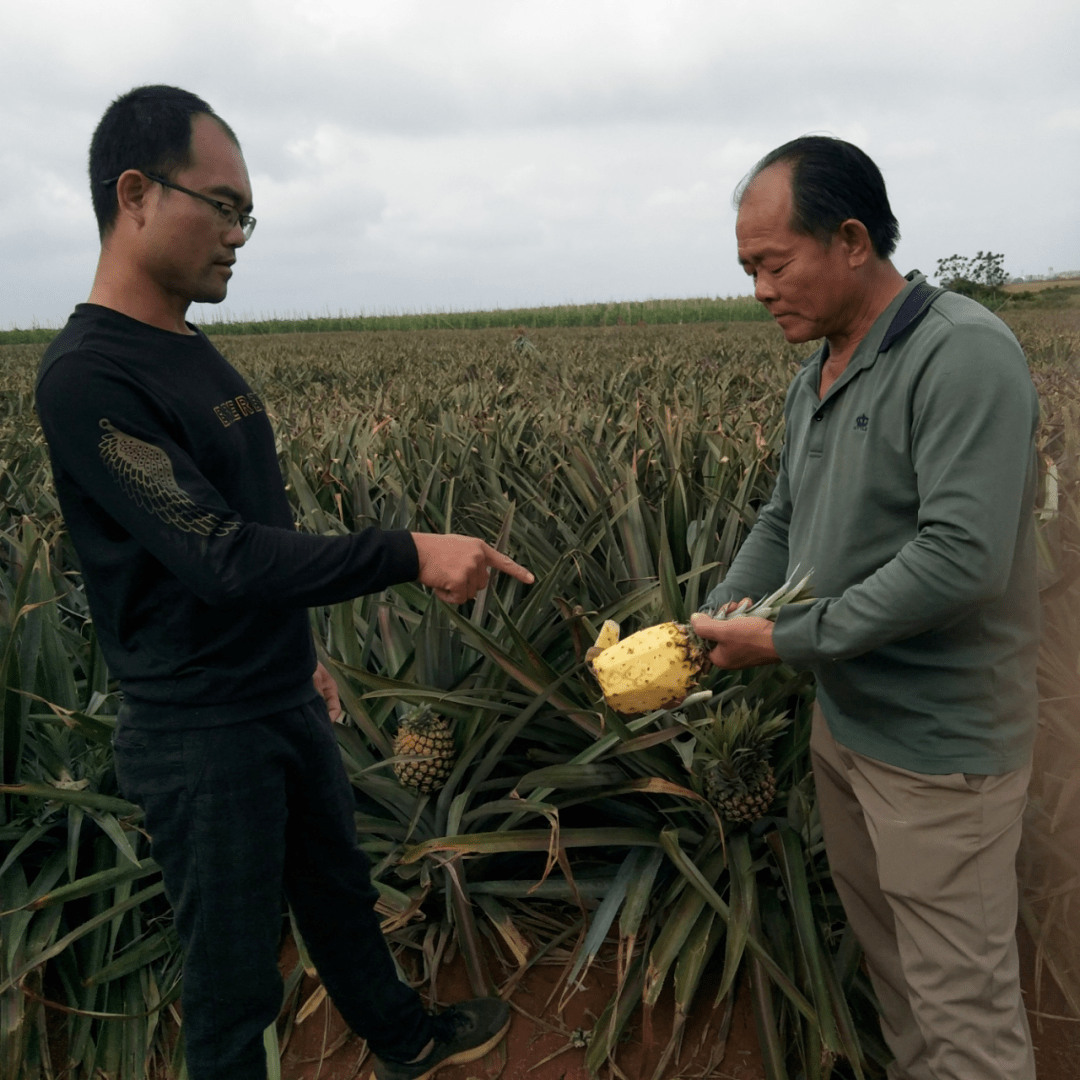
(791, 592)
(738, 731)
(421, 718)
(420, 714)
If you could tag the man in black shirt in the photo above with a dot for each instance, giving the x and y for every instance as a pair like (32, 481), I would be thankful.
(167, 474)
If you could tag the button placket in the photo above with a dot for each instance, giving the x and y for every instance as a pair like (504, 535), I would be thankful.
(817, 432)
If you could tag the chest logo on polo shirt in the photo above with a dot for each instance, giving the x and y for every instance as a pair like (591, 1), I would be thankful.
(146, 474)
(862, 422)
(228, 412)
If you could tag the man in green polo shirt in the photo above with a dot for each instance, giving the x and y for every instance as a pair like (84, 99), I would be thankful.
(906, 483)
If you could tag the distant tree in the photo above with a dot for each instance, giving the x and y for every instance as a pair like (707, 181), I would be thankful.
(980, 277)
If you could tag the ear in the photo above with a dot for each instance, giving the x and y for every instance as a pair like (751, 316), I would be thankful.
(132, 195)
(855, 239)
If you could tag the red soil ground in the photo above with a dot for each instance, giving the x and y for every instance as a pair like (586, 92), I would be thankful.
(544, 1044)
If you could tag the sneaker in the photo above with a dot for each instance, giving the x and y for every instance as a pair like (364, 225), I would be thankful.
(461, 1033)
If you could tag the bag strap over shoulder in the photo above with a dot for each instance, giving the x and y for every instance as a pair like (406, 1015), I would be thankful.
(915, 305)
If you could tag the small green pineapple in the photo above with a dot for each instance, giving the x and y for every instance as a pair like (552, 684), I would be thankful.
(426, 741)
(735, 769)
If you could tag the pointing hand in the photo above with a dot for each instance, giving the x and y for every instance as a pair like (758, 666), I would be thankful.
(457, 567)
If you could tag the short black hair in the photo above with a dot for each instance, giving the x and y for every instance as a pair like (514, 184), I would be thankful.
(149, 129)
(831, 181)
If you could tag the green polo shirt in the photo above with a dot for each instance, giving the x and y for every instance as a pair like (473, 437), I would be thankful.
(909, 492)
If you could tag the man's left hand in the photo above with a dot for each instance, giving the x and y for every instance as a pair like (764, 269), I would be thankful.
(324, 683)
(742, 642)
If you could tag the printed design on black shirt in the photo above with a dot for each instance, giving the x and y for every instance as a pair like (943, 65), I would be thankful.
(228, 412)
(146, 474)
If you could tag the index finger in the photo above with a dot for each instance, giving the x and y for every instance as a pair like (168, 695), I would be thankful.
(499, 561)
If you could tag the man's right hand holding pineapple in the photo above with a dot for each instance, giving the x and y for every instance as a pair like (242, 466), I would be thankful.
(740, 643)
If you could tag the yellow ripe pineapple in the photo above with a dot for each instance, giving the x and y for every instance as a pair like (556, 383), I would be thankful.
(736, 773)
(652, 669)
(656, 667)
(609, 635)
(426, 741)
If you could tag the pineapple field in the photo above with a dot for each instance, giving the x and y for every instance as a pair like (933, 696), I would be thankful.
(513, 818)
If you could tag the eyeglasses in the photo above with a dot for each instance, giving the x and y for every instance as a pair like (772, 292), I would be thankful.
(229, 212)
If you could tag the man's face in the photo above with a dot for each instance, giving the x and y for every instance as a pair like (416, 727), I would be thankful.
(189, 246)
(807, 287)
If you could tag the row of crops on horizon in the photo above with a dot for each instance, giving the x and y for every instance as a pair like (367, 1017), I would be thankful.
(611, 313)
(624, 469)
(637, 313)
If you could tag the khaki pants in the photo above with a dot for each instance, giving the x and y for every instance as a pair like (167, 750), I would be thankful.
(925, 867)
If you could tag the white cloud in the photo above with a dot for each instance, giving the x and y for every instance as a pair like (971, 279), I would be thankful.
(909, 150)
(671, 196)
(1063, 120)
(418, 153)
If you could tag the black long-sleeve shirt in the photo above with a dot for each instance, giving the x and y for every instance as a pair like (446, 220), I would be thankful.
(197, 579)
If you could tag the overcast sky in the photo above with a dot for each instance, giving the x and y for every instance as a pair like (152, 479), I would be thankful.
(414, 155)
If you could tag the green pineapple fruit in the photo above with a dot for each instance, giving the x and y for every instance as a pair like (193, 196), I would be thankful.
(736, 772)
(426, 741)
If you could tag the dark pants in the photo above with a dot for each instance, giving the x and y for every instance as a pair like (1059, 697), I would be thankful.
(239, 813)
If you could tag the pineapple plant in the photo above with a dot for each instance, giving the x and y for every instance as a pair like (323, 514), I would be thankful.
(736, 773)
(425, 745)
(656, 667)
